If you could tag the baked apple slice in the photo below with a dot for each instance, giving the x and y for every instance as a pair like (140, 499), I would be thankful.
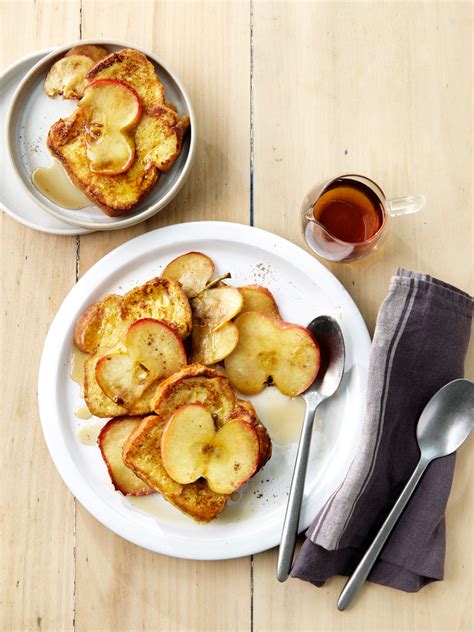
(67, 77)
(216, 306)
(214, 336)
(193, 270)
(92, 51)
(210, 347)
(111, 109)
(259, 299)
(270, 348)
(150, 351)
(191, 448)
(111, 440)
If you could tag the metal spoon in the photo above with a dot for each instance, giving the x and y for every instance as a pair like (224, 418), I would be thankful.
(444, 424)
(331, 344)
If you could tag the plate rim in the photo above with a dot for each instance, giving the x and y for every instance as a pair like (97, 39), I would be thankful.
(78, 485)
(127, 220)
(69, 230)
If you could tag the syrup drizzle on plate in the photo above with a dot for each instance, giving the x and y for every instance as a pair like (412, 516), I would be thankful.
(282, 416)
(88, 434)
(77, 369)
(54, 183)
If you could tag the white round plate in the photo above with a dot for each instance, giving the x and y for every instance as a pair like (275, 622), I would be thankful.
(303, 288)
(32, 113)
(14, 200)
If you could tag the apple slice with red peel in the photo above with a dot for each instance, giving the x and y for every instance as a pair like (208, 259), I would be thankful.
(259, 299)
(111, 109)
(191, 448)
(150, 351)
(234, 458)
(193, 270)
(111, 440)
(270, 348)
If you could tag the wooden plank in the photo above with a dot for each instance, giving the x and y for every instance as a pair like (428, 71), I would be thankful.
(377, 88)
(207, 44)
(37, 511)
(118, 585)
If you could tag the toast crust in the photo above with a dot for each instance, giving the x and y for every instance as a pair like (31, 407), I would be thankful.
(195, 383)
(110, 442)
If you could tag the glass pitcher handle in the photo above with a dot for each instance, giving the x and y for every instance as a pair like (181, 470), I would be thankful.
(406, 205)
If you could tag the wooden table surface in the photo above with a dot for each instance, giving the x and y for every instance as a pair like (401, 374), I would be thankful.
(285, 93)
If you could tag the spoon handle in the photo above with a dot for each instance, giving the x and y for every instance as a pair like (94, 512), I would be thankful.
(364, 567)
(293, 508)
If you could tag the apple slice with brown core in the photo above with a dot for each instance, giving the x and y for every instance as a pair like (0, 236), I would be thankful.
(191, 448)
(111, 109)
(150, 351)
(67, 76)
(259, 299)
(111, 440)
(214, 336)
(270, 348)
(216, 306)
(193, 270)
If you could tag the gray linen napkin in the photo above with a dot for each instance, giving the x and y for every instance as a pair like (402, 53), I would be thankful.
(419, 345)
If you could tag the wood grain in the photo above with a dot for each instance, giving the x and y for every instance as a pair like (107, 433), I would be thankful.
(371, 88)
(37, 510)
(380, 88)
(201, 42)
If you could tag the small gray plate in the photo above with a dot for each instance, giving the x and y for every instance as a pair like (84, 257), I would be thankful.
(32, 113)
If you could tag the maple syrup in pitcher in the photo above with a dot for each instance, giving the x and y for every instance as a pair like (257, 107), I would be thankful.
(349, 210)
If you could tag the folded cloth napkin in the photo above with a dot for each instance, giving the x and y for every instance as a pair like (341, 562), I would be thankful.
(419, 345)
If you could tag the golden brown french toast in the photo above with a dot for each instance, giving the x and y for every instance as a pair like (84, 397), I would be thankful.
(155, 142)
(103, 324)
(102, 406)
(132, 67)
(142, 450)
(100, 326)
(195, 383)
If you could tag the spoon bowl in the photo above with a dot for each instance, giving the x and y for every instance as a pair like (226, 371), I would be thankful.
(446, 420)
(330, 340)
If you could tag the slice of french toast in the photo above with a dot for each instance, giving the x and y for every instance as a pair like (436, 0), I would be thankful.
(195, 383)
(102, 325)
(157, 138)
(132, 67)
(100, 405)
(142, 450)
